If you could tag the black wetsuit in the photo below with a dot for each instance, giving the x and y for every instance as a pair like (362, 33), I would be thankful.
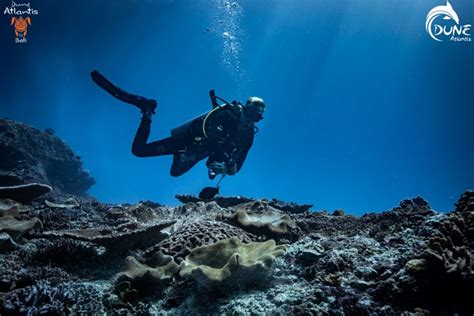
(229, 138)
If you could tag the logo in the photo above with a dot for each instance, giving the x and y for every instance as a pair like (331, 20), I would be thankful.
(20, 23)
(21, 27)
(447, 25)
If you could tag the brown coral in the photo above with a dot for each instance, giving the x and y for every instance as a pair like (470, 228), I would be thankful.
(231, 262)
(139, 279)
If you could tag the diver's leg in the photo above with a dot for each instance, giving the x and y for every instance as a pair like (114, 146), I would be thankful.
(144, 104)
(166, 146)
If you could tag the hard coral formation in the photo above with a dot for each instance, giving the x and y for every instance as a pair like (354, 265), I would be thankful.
(10, 208)
(17, 228)
(69, 203)
(261, 219)
(139, 280)
(24, 193)
(188, 237)
(117, 238)
(231, 261)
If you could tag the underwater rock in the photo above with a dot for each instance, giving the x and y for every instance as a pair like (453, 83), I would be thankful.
(261, 219)
(188, 237)
(231, 263)
(449, 257)
(16, 228)
(465, 206)
(410, 214)
(24, 193)
(116, 239)
(139, 280)
(33, 155)
(451, 243)
(338, 213)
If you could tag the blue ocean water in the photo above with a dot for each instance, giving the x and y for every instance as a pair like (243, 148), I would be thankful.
(363, 107)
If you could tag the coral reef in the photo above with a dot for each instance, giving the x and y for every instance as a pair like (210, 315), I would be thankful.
(139, 280)
(62, 253)
(231, 263)
(36, 156)
(10, 208)
(180, 243)
(229, 201)
(24, 193)
(17, 228)
(117, 239)
(44, 299)
(69, 203)
(65, 252)
(261, 219)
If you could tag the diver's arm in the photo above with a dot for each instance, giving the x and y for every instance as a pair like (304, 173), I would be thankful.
(240, 156)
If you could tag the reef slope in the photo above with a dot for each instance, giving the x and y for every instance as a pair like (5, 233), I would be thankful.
(65, 253)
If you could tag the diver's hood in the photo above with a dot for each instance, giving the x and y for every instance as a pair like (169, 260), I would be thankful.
(255, 101)
(254, 109)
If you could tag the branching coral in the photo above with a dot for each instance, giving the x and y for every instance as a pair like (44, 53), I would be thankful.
(44, 299)
(66, 252)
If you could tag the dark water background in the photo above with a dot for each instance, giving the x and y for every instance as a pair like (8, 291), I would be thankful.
(364, 108)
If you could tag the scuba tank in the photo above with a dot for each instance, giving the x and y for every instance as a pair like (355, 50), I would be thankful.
(197, 127)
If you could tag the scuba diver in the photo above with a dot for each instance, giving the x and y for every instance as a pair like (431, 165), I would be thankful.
(224, 135)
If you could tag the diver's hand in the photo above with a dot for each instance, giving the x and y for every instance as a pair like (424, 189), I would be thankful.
(216, 168)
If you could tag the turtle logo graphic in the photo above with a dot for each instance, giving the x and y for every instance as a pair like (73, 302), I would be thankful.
(21, 25)
(448, 14)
